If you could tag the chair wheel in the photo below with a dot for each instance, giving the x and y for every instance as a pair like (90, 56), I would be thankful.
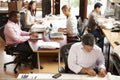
(15, 72)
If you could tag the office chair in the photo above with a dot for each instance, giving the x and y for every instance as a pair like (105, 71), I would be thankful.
(82, 27)
(10, 50)
(23, 21)
(64, 51)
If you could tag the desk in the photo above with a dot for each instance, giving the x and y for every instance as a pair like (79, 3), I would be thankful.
(35, 45)
(47, 22)
(48, 76)
(112, 37)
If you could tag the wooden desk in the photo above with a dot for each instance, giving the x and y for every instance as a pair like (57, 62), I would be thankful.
(34, 44)
(112, 37)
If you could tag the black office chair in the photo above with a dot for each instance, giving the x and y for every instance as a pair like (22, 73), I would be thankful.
(64, 51)
(10, 50)
(23, 21)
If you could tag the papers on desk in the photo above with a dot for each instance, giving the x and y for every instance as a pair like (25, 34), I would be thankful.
(117, 51)
(38, 28)
(108, 25)
(48, 76)
(49, 45)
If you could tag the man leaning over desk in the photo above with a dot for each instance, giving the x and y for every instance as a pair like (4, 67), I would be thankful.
(85, 57)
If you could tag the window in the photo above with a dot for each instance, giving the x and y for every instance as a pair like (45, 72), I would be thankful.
(73, 4)
(91, 3)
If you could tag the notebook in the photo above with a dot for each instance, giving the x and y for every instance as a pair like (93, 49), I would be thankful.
(56, 35)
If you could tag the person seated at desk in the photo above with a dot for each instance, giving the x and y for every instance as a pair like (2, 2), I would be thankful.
(18, 38)
(84, 56)
(71, 23)
(31, 14)
(93, 25)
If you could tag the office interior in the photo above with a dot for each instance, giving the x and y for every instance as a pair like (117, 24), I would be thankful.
(49, 61)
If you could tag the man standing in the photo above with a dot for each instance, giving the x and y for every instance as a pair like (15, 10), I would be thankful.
(85, 56)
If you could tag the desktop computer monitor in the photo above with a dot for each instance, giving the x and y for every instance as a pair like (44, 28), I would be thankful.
(117, 12)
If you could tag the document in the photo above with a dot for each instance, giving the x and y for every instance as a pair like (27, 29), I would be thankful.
(48, 76)
(49, 45)
(108, 25)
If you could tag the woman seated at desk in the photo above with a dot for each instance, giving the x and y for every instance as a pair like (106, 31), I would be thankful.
(31, 14)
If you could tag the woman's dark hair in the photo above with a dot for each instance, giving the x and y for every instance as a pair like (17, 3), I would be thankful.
(33, 12)
(13, 13)
(88, 39)
(97, 5)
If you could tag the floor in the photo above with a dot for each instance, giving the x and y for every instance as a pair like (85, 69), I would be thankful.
(47, 61)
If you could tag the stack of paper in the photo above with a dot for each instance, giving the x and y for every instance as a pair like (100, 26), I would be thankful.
(108, 25)
(38, 28)
(117, 51)
(49, 45)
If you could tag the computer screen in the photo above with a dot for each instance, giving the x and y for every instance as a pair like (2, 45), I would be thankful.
(117, 12)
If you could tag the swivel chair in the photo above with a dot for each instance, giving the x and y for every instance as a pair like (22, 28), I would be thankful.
(10, 50)
(64, 51)
(81, 27)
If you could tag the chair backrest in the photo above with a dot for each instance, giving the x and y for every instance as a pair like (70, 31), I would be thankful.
(22, 19)
(64, 51)
(85, 23)
(79, 22)
(83, 26)
(9, 49)
(2, 32)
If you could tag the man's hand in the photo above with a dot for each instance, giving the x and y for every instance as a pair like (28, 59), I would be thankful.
(88, 71)
(102, 73)
(91, 72)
